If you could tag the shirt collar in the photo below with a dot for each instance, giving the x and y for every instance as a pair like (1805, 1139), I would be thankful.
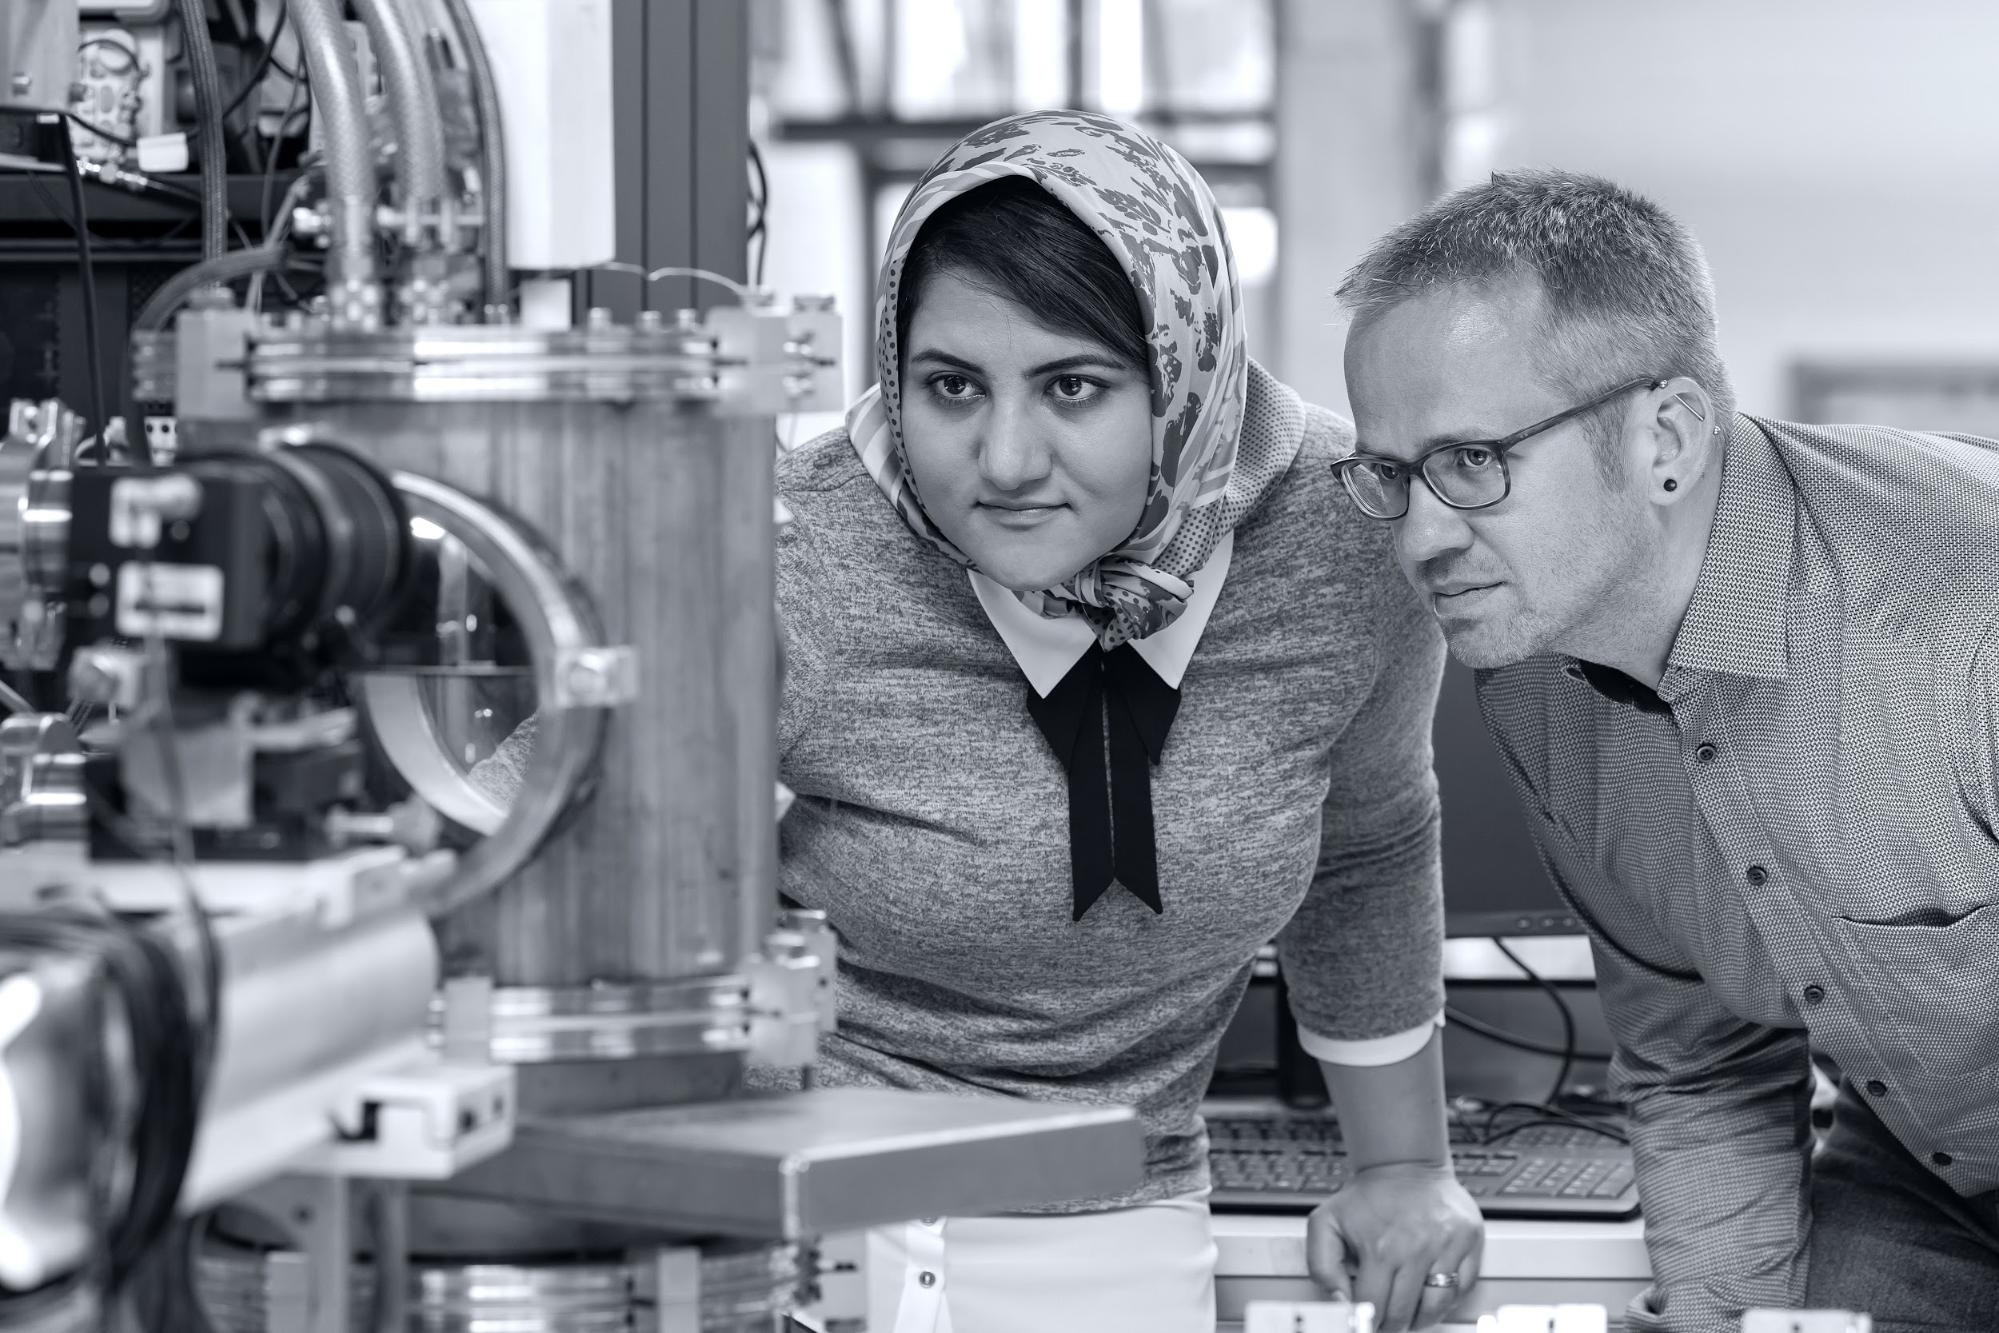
(1738, 621)
(1046, 648)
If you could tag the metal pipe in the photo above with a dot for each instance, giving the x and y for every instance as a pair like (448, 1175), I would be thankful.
(351, 284)
(209, 144)
(492, 159)
(412, 90)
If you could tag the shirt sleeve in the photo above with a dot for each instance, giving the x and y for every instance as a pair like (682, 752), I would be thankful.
(1373, 1053)
(1363, 956)
(1720, 1124)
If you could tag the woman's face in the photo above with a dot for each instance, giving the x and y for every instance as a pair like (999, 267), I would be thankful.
(1030, 449)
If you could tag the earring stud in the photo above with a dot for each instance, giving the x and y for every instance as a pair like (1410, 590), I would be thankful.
(1672, 485)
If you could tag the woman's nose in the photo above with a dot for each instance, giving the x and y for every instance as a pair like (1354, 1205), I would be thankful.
(1013, 450)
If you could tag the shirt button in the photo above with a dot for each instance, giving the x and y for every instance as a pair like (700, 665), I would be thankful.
(1876, 1088)
(1757, 875)
(1814, 994)
(927, 1278)
(1940, 1158)
(1704, 752)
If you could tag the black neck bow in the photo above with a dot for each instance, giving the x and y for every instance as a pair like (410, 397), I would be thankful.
(1111, 703)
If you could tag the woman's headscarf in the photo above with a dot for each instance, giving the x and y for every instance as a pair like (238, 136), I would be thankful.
(1161, 222)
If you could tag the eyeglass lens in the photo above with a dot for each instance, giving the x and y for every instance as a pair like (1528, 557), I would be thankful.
(1468, 477)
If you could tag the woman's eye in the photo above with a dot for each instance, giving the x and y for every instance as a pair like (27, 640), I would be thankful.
(1473, 458)
(1075, 389)
(951, 386)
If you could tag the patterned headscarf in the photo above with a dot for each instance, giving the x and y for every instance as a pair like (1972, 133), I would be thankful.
(1161, 222)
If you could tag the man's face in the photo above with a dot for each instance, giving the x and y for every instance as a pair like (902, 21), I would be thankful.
(1539, 571)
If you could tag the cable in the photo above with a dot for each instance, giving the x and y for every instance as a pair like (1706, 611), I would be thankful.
(706, 275)
(1614, 1135)
(759, 229)
(265, 64)
(275, 236)
(492, 158)
(89, 266)
(131, 60)
(160, 307)
(102, 133)
(292, 110)
(1479, 1027)
(208, 130)
(1568, 1019)
(144, 971)
(14, 700)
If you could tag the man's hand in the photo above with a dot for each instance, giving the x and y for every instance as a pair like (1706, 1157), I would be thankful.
(1389, 1229)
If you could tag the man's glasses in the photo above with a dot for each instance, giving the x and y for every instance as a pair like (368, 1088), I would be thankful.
(1465, 474)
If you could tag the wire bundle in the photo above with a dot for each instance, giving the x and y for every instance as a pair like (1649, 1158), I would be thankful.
(151, 1105)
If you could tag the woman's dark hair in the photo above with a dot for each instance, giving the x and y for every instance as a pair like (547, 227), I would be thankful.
(1018, 241)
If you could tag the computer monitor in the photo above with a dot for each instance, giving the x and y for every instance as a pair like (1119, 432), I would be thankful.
(1493, 880)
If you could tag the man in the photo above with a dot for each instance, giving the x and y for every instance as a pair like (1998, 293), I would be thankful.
(1746, 676)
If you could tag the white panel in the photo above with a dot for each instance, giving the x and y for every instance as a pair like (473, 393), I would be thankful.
(552, 61)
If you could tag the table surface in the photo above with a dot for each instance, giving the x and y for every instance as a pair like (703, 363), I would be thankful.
(1263, 1245)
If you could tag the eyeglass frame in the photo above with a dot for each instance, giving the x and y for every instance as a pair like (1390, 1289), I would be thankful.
(1499, 447)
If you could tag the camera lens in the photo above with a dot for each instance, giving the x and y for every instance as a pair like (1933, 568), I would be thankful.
(335, 546)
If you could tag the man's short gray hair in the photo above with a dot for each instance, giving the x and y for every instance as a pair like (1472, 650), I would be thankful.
(1626, 287)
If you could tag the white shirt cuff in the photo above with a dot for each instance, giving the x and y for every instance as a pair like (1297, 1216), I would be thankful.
(1372, 1052)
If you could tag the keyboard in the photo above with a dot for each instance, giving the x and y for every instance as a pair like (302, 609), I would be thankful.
(1290, 1161)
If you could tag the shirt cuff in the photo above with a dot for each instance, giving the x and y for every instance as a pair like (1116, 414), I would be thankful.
(1372, 1052)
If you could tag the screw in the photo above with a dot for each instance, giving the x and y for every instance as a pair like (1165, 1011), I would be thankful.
(591, 678)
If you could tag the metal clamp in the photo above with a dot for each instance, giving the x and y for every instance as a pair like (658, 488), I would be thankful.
(43, 807)
(577, 676)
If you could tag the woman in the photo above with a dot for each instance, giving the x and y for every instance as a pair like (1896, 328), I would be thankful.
(1094, 687)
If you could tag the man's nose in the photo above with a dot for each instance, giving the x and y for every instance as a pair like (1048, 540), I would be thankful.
(1430, 530)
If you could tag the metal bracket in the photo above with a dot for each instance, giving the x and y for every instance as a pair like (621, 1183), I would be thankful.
(676, 1275)
(1309, 1317)
(1806, 1321)
(842, 1303)
(426, 1123)
(1551, 1319)
(791, 992)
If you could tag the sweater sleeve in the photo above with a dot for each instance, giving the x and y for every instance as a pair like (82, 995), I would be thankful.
(1363, 956)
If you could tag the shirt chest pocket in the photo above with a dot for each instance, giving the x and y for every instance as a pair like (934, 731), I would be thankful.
(1931, 990)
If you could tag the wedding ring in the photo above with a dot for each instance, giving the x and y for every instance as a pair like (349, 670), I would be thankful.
(1441, 1280)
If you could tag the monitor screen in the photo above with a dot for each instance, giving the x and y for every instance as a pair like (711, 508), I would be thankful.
(1493, 881)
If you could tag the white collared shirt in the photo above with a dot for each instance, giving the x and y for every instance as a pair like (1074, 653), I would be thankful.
(1045, 649)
